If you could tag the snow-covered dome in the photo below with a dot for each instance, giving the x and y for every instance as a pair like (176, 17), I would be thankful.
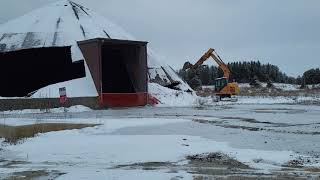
(64, 23)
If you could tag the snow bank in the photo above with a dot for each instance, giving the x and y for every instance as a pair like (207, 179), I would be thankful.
(281, 86)
(270, 100)
(287, 87)
(77, 108)
(170, 97)
(314, 86)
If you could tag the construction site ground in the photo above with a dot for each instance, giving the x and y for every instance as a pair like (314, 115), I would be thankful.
(234, 141)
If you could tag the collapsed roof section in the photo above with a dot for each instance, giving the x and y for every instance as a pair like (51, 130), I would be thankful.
(163, 74)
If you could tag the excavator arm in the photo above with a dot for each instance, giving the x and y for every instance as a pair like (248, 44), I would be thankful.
(210, 53)
(222, 65)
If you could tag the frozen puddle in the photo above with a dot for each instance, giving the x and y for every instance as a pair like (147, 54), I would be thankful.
(280, 110)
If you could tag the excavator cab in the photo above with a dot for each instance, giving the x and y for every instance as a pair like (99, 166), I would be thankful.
(220, 83)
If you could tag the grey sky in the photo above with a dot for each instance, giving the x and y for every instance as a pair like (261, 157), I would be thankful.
(285, 33)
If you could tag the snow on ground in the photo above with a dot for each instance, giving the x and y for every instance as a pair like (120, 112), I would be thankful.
(272, 100)
(281, 86)
(286, 87)
(90, 153)
(313, 86)
(244, 85)
(173, 98)
(95, 148)
(77, 108)
(118, 174)
(170, 97)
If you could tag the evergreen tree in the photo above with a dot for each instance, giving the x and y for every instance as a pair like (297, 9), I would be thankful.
(247, 72)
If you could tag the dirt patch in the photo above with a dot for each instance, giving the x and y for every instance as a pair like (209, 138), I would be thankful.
(205, 164)
(242, 119)
(293, 132)
(215, 160)
(217, 165)
(312, 169)
(15, 134)
(249, 120)
(31, 175)
(12, 164)
(211, 107)
(300, 162)
(147, 166)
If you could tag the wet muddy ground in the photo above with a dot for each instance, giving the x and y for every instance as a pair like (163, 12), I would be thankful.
(16, 134)
(32, 175)
(220, 166)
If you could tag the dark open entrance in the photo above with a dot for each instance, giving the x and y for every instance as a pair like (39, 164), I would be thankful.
(25, 71)
(123, 69)
(119, 70)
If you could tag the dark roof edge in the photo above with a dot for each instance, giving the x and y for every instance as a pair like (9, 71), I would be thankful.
(115, 41)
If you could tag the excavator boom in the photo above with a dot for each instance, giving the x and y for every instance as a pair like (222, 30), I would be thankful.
(205, 57)
(222, 65)
(210, 53)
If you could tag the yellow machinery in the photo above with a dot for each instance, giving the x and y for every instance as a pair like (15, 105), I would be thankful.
(223, 88)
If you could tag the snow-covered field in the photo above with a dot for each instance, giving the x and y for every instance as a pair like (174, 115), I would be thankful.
(78, 108)
(281, 86)
(131, 143)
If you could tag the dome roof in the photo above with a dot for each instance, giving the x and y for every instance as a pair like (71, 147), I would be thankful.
(62, 23)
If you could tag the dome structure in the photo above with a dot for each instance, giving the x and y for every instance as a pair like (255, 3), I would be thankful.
(53, 28)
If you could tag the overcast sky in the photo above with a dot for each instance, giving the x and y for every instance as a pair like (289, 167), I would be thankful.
(285, 33)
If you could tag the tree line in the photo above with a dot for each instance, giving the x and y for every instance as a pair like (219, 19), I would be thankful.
(248, 72)
(311, 76)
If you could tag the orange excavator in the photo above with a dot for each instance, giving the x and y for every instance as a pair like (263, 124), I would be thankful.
(223, 88)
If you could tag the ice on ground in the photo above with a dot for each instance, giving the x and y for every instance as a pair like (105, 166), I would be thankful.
(118, 174)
